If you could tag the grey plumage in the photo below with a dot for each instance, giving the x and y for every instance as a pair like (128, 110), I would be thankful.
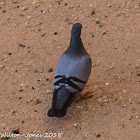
(72, 72)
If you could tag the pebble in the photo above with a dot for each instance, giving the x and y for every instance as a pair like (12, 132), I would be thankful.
(42, 11)
(116, 28)
(98, 136)
(78, 107)
(9, 53)
(123, 105)
(37, 102)
(91, 34)
(50, 70)
(92, 13)
(13, 111)
(2, 116)
(22, 85)
(14, 1)
(75, 124)
(137, 117)
(107, 84)
(20, 90)
(55, 33)
(98, 22)
(104, 33)
(109, 5)
(90, 5)
(48, 92)
(24, 8)
(35, 70)
(21, 45)
(86, 135)
(47, 79)
(43, 34)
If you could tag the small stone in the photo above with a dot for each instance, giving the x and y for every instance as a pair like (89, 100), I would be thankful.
(13, 111)
(47, 79)
(42, 11)
(75, 124)
(37, 102)
(22, 85)
(24, 8)
(107, 84)
(109, 5)
(4, 11)
(104, 33)
(98, 22)
(9, 53)
(33, 88)
(86, 135)
(48, 92)
(21, 45)
(14, 1)
(92, 13)
(98, 136)
(43, 34)
(91, 34)
(90, 5)
(20, 90)
(78, 107)
(55, 33)
(15, 131)
(123, 105)
(2, 116)
(137, 117)
(35, 70)
(50, 70)
(116, 28)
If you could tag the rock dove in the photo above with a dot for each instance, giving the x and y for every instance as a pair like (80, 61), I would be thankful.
(72, 72)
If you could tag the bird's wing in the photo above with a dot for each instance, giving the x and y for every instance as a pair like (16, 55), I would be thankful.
(73, 73)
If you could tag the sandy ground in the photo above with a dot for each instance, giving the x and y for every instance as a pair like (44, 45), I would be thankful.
(33, 33)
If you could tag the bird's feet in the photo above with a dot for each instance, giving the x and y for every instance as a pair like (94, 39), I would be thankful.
(85, 95)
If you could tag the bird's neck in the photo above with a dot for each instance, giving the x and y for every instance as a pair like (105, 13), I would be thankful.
(75, 40)
(75, 43)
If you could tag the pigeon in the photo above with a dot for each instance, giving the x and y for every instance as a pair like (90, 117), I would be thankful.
(72, 73)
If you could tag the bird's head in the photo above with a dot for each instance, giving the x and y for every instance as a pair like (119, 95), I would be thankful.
(76, 29)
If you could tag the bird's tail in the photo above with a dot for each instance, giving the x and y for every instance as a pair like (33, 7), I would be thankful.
(62, 99)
